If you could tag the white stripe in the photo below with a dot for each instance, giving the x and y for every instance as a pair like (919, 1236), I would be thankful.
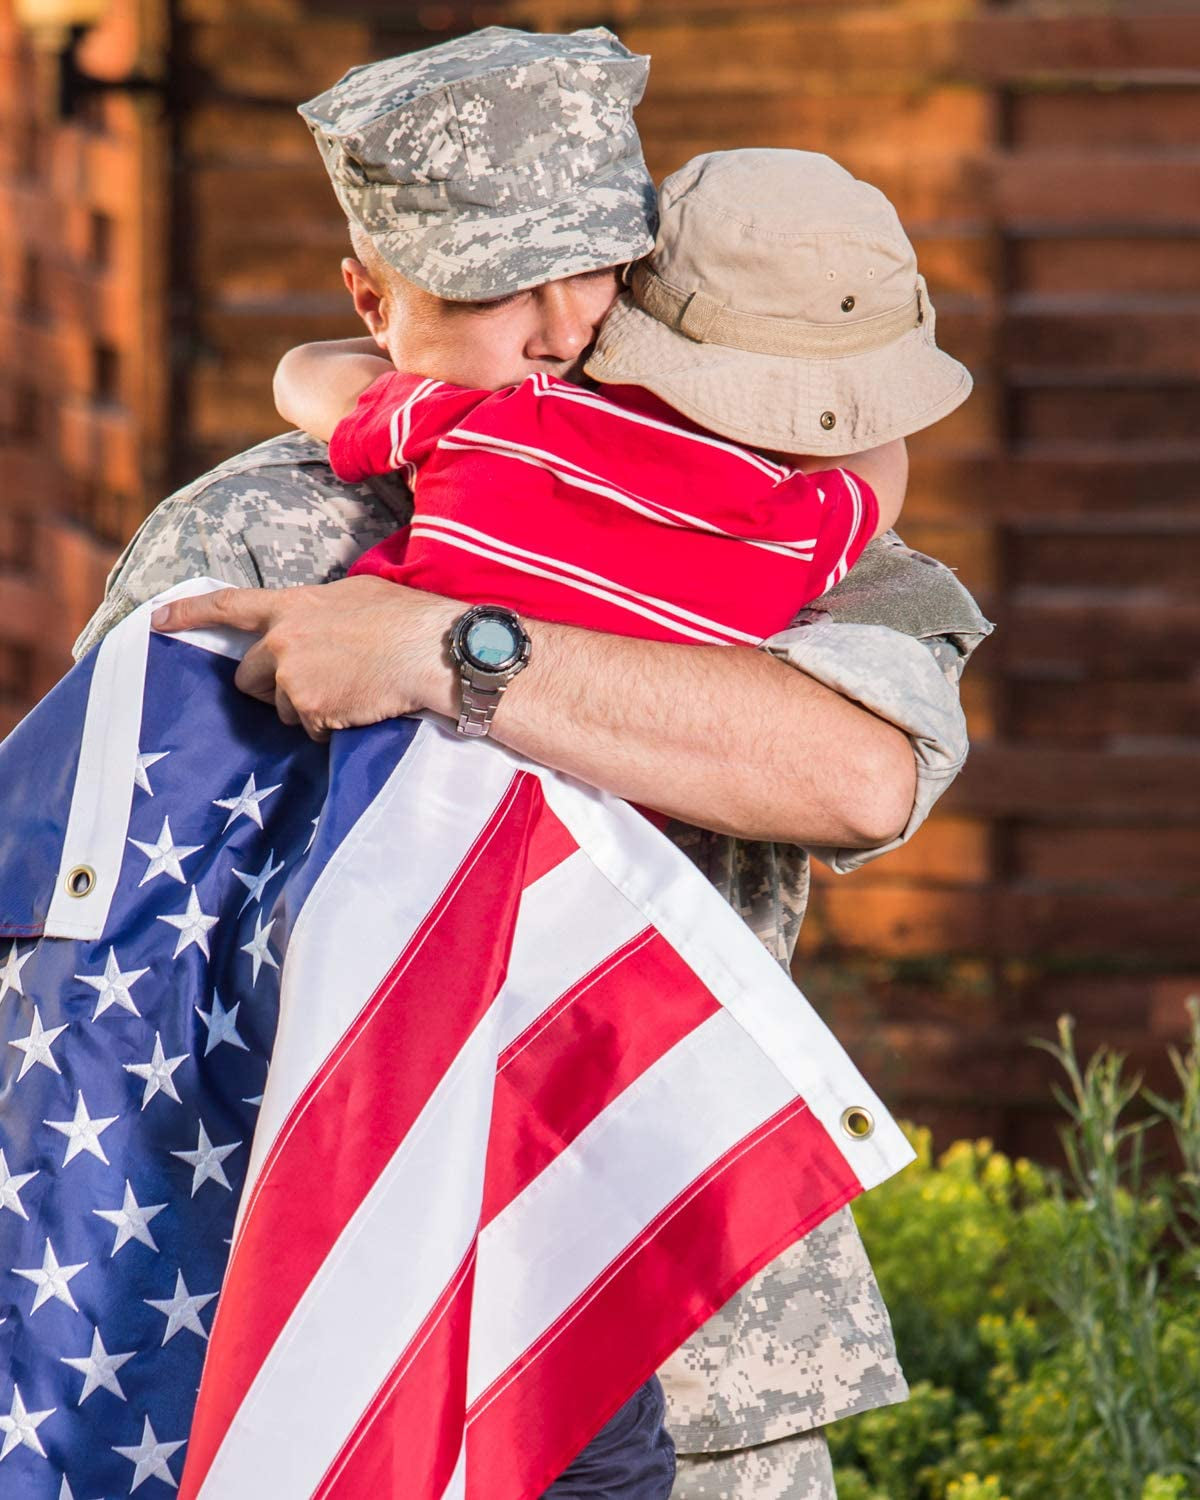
(428, 524)
(98, 820)
(375, 1287)
(575, 898)
(557, 1241)
(425, 818)
(601, 403)
(716, 944)
(842, 567)
(461, 438)
(557, 572)
(400, 426)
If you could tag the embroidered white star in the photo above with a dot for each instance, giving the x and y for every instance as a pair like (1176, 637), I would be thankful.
(221, 1024)
(144, 762)
(165, 856)
(182, 1310)
(83, 1133)
(51, 1279)
(99, 1368)
(36, 1046)
(246, 803)
(157, 1072)
(20, 1426)
(149, 1458)
(131, 1220)
(206, 1160)
(257, 946)
(10, 974)
(65, 1492)
(113, 986)
(10, 1187)
(312, 836)
(193, 926)
(256, 884)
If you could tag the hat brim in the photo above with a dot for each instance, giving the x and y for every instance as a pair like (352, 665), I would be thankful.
(776, 402)
(474, 255)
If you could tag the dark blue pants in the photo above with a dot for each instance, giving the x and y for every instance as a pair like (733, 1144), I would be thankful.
(632, 1458)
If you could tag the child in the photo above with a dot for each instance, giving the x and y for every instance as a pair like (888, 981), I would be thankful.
(623, 513)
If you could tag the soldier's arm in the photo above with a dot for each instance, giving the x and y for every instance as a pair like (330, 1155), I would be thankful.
(734, 740)
(845, 753)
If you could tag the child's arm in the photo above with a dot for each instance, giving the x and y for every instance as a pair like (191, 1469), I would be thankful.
(316, 385)
(884, 468)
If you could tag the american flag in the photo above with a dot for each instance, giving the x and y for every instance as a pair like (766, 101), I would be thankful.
(374, 1118)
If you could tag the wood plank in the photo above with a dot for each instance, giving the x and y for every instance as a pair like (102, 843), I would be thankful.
(1140, 264)
(1094, 712)
(1093, 631)
(1105, 856)
(1163, 557)
(254, 336)
(1112, 191)
(1136, 115)
(1084, 481)
(263, 204)
(927, 121)
(1087, 340)
(1116, 43)
(903, 920)
(1156, 412)
(282, 61)
(1049, 785)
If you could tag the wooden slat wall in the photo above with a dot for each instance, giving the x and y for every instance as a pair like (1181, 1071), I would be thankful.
(1046, 160)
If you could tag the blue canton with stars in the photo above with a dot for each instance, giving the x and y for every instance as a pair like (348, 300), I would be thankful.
(131, 1068)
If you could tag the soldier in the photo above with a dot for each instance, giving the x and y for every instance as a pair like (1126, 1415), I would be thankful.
(495, 189)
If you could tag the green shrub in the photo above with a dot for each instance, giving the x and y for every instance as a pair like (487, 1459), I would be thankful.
(1049, 1322)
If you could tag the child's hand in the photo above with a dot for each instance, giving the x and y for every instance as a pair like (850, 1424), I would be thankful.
(316, 385)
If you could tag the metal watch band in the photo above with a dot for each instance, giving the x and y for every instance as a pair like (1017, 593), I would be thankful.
(479, 706)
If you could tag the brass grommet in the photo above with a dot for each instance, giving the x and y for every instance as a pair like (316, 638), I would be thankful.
(847, 304)
(81, 881)
(828, 421)
(857, 1122)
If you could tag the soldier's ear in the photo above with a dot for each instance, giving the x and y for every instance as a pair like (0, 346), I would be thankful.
(368, 296)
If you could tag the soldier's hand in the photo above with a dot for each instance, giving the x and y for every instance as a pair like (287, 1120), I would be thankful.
(334, 655)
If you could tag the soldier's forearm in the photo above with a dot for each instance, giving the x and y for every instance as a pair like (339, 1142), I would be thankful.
(722, 737)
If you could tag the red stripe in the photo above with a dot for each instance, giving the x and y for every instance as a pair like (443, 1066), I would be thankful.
(407, 1441)
(358, 1108)
(575, 1059)
(549, 844)
(525, 1430)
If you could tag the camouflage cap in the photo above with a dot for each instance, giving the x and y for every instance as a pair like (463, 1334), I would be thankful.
(495, 162)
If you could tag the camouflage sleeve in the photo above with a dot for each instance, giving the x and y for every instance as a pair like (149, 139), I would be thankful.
(172, 543)
(272, 517)
(895, 637)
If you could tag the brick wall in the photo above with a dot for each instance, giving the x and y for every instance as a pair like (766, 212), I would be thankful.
(84, 375)
(172, 232)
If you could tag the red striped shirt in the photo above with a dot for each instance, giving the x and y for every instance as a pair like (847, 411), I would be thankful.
(607, 511)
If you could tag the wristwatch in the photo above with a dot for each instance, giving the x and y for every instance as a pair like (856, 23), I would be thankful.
(489, 645)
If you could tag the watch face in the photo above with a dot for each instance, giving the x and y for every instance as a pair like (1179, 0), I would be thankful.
(491, 643)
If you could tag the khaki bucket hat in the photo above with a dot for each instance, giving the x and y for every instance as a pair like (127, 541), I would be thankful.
(781, 308)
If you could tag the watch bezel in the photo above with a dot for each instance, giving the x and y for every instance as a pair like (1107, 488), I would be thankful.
(464, 657)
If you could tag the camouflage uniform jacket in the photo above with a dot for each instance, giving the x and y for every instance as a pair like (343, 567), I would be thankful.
(809, 1339)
